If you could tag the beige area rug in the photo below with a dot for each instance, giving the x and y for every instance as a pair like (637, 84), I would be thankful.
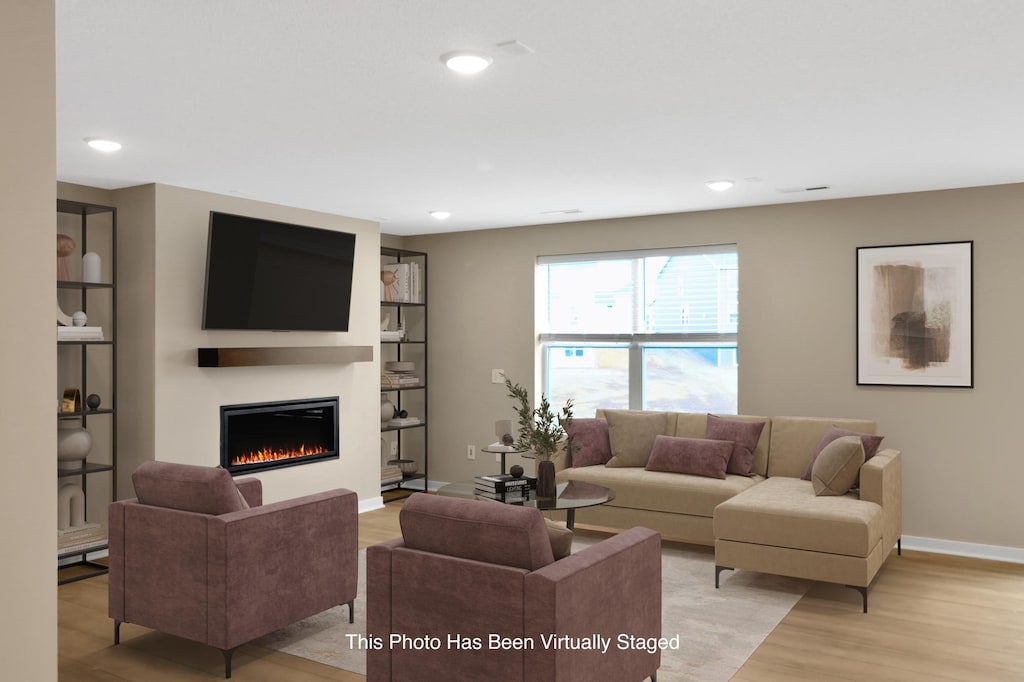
(718, 629)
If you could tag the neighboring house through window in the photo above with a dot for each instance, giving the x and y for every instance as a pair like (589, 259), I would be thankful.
(651, 330)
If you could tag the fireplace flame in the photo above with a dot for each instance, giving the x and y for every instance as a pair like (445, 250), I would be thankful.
(276, 455)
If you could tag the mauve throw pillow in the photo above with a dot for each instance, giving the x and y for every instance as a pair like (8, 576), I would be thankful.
(837, 466)
(590, 436)
(697, 456)
(869, 441)
(743, 434)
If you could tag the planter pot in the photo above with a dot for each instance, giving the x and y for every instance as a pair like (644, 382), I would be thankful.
(546, 479)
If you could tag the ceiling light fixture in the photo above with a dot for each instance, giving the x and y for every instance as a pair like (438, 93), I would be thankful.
(102, 145)
(719, 185)
(440, 215)
(466, 62)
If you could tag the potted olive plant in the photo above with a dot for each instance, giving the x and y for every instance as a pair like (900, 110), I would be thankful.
(541, 431)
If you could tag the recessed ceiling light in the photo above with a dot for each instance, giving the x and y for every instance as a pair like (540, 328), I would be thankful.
(719, 185)
(102, 145)
(440, 215)
(466, 61)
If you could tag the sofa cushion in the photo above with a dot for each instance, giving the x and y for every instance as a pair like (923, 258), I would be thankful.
(631, 435)
(187, 487)
(560, 538)
(695, 425)
(697, 456)
(793, 440)
(743, 434)
(637, 488)
(785, 512)
(590, 438)
(837, 466)
(869, 441)
(503, 534)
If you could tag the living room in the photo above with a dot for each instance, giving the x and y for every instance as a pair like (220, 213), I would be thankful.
(797, 334)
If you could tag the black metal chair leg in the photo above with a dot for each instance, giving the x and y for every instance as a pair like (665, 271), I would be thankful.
(899, 546)
(863, 593)
(227, 662)
(654, 676)
(351, 611)
(718, 571)
(117, 632)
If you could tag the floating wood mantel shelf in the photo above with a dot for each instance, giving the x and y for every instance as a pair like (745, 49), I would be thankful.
(291, 355)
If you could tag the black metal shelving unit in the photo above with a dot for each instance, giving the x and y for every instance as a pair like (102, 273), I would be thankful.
(411, 316)
(88, 290)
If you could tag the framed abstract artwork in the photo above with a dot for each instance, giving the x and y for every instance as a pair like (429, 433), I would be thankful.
(915, 315)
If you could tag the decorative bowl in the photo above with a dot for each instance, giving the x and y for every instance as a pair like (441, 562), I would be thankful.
(408, 466)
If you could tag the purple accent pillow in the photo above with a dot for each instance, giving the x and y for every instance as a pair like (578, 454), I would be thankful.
(744, 436)
(591, 435)
(869, 442)
(697, 456)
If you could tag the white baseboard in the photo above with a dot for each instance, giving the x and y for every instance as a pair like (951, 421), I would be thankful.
(370, 504)
(1014, 555)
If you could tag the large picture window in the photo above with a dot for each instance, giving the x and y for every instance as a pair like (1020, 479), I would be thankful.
(649, 330)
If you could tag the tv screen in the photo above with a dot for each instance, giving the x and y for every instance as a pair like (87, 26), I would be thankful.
(262, 274)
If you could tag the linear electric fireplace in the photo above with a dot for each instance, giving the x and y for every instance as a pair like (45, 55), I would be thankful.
(261, 436)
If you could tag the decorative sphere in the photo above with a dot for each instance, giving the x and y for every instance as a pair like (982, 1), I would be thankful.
(79, 319)
(516, 471)
(507, 440)
(93, 401)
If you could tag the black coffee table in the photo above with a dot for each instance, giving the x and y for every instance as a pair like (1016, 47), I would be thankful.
(571, 496)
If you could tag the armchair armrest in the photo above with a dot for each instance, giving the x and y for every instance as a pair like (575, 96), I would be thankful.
(881, 482)
(612, 588)
(378, 607)
(304, 551)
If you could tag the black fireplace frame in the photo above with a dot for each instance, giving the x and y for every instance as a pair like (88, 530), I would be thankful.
(228, 411)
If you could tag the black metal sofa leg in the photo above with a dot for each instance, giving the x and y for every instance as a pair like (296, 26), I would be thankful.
(227, 662)
(351, 611)
(718, 571)
(863, 593)
(117, 632)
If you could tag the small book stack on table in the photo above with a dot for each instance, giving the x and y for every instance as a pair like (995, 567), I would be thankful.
(504, 487)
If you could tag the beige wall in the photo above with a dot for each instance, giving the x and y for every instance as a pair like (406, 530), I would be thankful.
(797, 336)
(28, 629)
(175, 404)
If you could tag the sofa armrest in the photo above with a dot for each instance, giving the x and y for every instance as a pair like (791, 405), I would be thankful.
(378, 607)
(612, 588)
(304, 551)
(881, 482)
(251, 489)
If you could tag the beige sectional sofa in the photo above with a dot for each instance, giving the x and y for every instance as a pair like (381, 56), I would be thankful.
(770, 521)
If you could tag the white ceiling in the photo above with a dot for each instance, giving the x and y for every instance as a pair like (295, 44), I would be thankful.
(626, 107)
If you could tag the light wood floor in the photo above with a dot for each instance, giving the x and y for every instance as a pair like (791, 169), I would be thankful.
(932, 618)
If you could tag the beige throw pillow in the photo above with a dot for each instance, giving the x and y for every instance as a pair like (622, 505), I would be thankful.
(837, 466)
(631, 435)
(561, 539)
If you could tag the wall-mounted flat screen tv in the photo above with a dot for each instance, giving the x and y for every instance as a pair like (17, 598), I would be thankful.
(263, 274)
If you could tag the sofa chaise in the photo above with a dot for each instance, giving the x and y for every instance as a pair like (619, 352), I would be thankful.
(769, 519)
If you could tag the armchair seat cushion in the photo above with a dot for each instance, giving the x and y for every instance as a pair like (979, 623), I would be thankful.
(785, 512)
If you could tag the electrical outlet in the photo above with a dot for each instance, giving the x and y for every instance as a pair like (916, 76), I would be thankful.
(497, 376)
(394, 448)
(470, 452)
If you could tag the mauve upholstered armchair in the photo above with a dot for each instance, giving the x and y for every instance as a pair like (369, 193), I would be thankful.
(198, 555)
(465, 572)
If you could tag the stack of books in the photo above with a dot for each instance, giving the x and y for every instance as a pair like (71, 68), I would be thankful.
(79, 333)
(504, 487)
(390, 473)
(390, 380)
(407, 286)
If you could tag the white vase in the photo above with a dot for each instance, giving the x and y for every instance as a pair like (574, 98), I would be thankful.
(91, 267)
(73, 445)
(387, 409)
